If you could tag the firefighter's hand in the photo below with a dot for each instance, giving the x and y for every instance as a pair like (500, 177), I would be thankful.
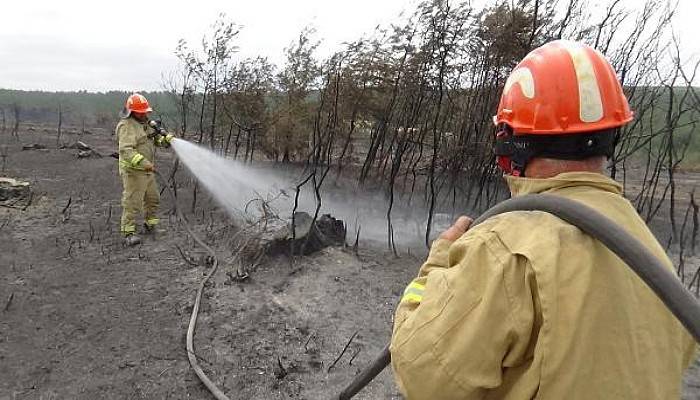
(164, 140)
(457, 229)
(149, 168)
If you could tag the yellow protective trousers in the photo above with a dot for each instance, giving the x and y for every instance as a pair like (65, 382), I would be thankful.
(140, 196)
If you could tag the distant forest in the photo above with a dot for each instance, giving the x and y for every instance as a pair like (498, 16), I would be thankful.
(78, 108)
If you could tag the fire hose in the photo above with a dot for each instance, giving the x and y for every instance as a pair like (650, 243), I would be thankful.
(679, 300)
(191, 355)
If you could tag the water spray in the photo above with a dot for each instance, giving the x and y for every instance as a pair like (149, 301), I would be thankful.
(233, 184)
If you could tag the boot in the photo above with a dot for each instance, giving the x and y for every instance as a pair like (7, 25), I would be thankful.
(151, 229)
(132, 240)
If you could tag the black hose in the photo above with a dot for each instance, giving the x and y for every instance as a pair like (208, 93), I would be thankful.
(679, 300)
(191, 355)
(366, 376)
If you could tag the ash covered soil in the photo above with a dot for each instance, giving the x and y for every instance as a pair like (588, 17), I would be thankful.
(89, 318)
(83, 317)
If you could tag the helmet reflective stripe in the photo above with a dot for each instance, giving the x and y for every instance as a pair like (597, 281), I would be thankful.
(136, 98)
(552, 78)
(137, 103)
(590, 102)
(523, 77)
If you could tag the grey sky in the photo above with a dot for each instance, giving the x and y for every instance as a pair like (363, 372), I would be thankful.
(97, 46)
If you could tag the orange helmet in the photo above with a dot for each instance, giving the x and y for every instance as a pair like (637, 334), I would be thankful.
(138, 104)
(563, 100)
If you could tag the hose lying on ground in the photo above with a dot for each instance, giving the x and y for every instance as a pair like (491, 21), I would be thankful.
(679, 300)
(191, 355)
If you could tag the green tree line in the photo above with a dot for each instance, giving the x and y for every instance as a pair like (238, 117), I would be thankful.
(92, 109)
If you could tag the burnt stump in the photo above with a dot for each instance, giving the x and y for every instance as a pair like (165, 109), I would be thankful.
(304, 236)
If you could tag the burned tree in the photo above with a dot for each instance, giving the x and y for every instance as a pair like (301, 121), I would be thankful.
(16, 110)
(60, 124)
(409, 107)
(247, 113)
(295, 81)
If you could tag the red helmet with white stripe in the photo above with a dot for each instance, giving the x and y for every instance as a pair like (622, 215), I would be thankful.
(138, 104)
(561, 90)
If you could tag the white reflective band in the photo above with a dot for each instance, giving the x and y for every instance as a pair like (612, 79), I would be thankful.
(590, 102)
(523, 77)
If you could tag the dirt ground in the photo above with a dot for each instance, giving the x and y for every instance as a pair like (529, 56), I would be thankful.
(83, 317)
(89, 318)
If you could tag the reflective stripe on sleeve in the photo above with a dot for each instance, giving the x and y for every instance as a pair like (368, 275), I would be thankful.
(136, 160)
(413, 293)
(127, 165)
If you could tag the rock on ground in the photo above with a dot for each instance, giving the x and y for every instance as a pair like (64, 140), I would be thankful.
(11, 188)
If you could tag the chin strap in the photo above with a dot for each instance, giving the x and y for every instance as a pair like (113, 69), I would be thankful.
(514, 151)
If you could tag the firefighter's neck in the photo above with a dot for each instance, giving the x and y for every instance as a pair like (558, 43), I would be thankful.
(549, 167)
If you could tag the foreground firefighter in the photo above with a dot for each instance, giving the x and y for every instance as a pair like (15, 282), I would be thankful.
(525, 305)
(138, 138)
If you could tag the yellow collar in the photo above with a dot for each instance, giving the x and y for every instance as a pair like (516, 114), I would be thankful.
(522, 186)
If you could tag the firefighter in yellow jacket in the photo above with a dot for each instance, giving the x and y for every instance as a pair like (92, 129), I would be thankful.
(526, 306)
(138, 138)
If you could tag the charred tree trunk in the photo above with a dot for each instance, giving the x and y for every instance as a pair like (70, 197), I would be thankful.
(60, 123)
(16, 115)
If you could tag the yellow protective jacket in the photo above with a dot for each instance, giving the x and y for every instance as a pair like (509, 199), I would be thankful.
(527, 306)
(137, 144)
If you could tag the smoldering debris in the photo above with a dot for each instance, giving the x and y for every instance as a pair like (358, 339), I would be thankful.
(88, 154)
(305, 236)
(33, 146)
(82, 146)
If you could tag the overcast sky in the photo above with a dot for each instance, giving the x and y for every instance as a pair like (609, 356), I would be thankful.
(103, 45)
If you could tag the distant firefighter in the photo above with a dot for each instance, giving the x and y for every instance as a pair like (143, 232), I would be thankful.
(138, 138)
